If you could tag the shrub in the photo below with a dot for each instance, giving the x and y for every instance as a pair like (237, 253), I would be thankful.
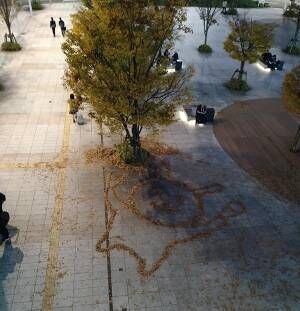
(205, 48)
(36, 5)
(197, 3)
(290, 13)
(231, 11)
(235, 84)
(292, 50)
(291, 90)
(125, 152)
(11, 46)
(247, 4)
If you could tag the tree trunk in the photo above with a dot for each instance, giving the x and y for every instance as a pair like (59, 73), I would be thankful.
(9, 32)
(241, 72)
(205, 36)
(297, 30)
(296, 141)
(136, 143)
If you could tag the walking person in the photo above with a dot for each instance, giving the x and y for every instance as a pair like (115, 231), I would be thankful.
(62, 26)
(74, 107)
(53, 26)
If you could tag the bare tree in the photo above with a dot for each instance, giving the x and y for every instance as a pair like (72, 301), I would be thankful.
(7, 13)
(208, 14)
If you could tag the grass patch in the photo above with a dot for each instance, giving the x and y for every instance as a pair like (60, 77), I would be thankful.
(205, 48)
(292, 51)
(11, 46)
(36, 5)
(237, 85)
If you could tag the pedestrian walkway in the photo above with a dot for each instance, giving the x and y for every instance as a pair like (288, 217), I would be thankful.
(237, 247)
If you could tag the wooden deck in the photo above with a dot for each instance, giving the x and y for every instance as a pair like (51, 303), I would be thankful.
(257, 135)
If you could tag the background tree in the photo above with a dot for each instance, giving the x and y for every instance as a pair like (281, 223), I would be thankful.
(246, 42)
(87, 3)
(293, 12)
(291, 98)
(208, 12)
(7, 14)
(113, 51)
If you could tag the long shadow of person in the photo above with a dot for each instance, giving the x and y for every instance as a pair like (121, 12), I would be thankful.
(10, 258)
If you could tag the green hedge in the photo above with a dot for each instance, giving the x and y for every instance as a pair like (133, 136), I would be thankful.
(231, 11)
(36, 5)
(240, 3)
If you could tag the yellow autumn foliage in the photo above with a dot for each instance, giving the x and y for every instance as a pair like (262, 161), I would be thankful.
(291, 90)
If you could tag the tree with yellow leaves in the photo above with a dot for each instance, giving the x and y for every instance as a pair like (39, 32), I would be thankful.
(246, 42)
(291, 98)
(115, 62)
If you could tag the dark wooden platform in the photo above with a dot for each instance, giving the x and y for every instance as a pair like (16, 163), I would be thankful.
(257, 135)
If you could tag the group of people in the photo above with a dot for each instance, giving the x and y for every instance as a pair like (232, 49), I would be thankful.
(61, 24)
(174, 57)
(271, 61)
(4, 219)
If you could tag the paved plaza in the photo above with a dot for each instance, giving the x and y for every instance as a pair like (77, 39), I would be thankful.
(230, 245)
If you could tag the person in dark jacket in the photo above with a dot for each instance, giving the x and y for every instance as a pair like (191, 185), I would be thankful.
(175, 57)
(4, 219)
(2, 200)
(53, 26)
(201, 114)
(62, 26)
(166, 53)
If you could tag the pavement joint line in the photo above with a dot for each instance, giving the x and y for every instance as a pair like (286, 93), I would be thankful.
(52, 264)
